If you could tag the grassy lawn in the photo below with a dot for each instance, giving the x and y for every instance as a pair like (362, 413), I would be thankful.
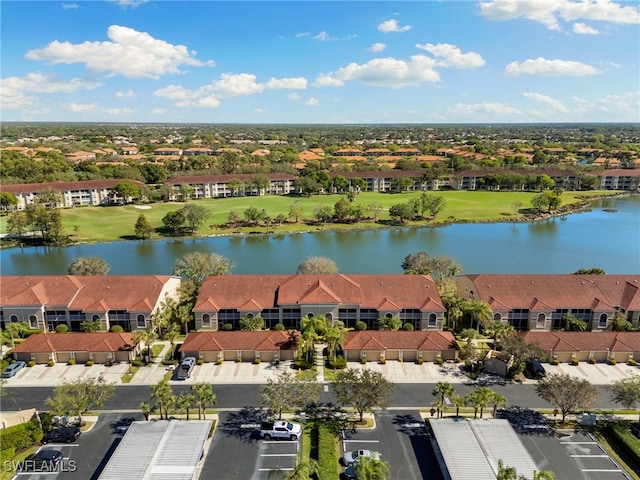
(156, 349)
(102, 224)
(126, 378)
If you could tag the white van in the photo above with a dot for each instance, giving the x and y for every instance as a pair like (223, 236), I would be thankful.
(186, 367)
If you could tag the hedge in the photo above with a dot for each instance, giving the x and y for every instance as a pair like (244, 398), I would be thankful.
(624, 442)
(21, 436)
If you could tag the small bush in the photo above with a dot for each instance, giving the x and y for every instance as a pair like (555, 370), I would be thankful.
(31, 363)
(199, 361)
(612, 361)
(219, 361)
(575, 361)
(439, 360)
(227, 327)
(137, 363)
(360, 325)
(301, 364)
(363, 361)
(338, 364)
(457, 360)
(555, 361)
(62, 328)
(632, 362)
(592, 361)
(408, 327)
(89, 363)
(256, 361)
(117, 329)
(109, 364)
(239, 360)
(51, 363)
(279, 327)
(420, 361)
(72, 361)
(383, 361)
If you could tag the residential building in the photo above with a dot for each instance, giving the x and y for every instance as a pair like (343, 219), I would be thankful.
(383, 181)
(46, 301)
(217, 186)
(619, 179)
(72, 194)
(287, 299)
(540, 302)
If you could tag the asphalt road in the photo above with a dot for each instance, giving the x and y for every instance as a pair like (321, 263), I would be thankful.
(406, 395)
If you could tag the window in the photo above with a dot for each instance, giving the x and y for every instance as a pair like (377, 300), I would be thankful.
(140, 321)
(206, 320)
(33, 321)
(519, 318)
(329, 317)
(13, 318)
(249, 316)
(602, 323)
(542, 320)
(497, 317)
(95, 318)
(433, 320)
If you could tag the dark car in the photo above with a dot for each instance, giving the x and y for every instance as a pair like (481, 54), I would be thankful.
(535, 369)
(635, 429)
(350, 473)
(62, 434)
(42, 461)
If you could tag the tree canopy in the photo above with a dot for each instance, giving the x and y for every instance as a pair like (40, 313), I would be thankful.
(626, 392)
(287, 391)
(88, 266)
(80, 396)
(197, 266)
(362, 389)
(566, 392)
(321, 265)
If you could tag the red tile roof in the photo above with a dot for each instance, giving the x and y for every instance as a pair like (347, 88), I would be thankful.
(66, 186)
(585, 341)
(260, 340)
(75, 342)
(433, 341)
(367, 291)
(246, 177)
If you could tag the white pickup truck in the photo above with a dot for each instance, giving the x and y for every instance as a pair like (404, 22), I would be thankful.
(280, 429)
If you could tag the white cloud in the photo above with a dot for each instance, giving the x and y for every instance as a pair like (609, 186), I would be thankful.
(583, 29)
(293, 96)
(553, 103)
(377, 47)
(119, 111)
(626, 104)
(69, 6)
(229, 85)
(392, 26)
(302, 34)
(384, 72)
(16, 92)
(542, 66)
(131, 3)
(81, 108)
(483, 109)
(128, 93)
(322, 37)
(312, 102)
(549, 12)
(451, 56)
(129, 53)
(158, 111)
(299, 83)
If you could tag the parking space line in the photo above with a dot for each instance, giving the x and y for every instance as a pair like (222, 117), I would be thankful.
(590, 456)
(601, 470)
(578, 443)
(279, 455)
(361, 441)
(271, 469)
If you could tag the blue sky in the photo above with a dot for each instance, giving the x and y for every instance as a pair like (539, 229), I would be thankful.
(320, 62)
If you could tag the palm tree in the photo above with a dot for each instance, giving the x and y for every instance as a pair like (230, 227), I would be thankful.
(308, 338)
(480, 311)
(458, 401)
(444, 389)
(171, 334)
(335, 338)
(145, 337)
(146, 410)
(479, 399)
(372, 469)
(544, 475)
(300, 471)
(163, 394)
(506, 473)
(498, 401)
(204, 397)
(500, 330)
(184, 402)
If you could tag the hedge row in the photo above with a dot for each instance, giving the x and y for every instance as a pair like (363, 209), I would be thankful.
(625, 443)
(21, 436)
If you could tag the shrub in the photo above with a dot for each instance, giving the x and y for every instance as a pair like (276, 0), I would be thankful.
(408, 327)
(227, 327)
(199, 361)
(339, 363)
(592, 361)
(632, 362)
(279, 327)
(20, 436)
(89, 363)
(31, 363)
(360, 325)
(109, 364)
(239, 360)
(219, 361)
(137, 363)
(51, 363)
(301, 364)
(383, 361)
(555, 361)
(62, 328)
(256, 361)
(72, 361)
(439, 360)
(612, 361)
(457, 360)
(575, 361)
(363, 361)
(117, 329)
(420, 361)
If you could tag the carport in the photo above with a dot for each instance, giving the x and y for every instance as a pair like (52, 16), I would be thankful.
(469, 449)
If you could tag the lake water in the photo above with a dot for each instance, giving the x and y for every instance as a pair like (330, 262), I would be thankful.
(607, 236)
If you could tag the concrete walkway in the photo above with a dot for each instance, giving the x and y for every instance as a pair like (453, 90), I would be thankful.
(320, 362)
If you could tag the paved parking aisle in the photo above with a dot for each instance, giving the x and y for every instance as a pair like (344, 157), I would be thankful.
(59, 470)
(276, 455)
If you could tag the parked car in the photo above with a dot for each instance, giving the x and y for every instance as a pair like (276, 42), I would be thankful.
(635, 429)
(123, 425)
(13, 368)
(280, 429)
(62, 434)
(186, 367)
(41, 461)
(350, 473)
(535, 369)
(351, 458)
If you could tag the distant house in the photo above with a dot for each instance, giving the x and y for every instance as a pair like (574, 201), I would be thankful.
(217, 186)
(129, 150)
(287, 299)
(167, 151)
(46, 301)
(616, 179)
(539, 302)
(268, 346)
(100, 347)
(383, 181)
(472, 179)
(584, 346)
(72, 194)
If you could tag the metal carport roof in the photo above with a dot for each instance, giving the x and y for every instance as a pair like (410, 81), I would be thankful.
(158, 450)
(470, 449)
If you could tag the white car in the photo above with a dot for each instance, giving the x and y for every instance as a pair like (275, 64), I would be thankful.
(351, 458)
